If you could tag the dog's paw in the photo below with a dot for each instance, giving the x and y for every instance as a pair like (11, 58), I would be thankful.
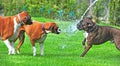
(18, 52)
(13, 51)
(9, 52)
(42, 54)
(34, 54)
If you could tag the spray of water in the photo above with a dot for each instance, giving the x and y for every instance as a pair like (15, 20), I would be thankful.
(72, 28)
(88, 9)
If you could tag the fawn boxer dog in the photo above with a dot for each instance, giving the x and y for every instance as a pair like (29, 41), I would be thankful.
(37, 33)
(95, 34)
(9, 28)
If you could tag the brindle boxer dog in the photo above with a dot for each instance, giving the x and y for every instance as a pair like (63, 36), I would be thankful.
(9, 28)
(37, 33)
(96, 34)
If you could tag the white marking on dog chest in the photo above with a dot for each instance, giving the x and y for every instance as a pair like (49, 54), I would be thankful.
(47, 31)
(16, 27)
(86, 35)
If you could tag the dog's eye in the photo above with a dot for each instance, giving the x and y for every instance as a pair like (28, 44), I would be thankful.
(83, 25)
(88, 23)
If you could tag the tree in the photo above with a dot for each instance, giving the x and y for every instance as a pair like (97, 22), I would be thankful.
(114, 12)
(90, 11)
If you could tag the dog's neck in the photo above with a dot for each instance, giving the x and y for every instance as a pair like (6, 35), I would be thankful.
(43, 28)
(92, 29)
(19, 20)
(19, 17)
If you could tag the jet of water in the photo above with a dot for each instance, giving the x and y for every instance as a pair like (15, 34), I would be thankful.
(88, 9)
(73, 28)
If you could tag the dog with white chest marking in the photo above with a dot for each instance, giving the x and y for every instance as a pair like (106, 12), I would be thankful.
(9, 28)
(96, 35)
(37, 33)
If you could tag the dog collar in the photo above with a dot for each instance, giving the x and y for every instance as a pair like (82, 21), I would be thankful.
(92, 29)
(19, 17)
(43, 28)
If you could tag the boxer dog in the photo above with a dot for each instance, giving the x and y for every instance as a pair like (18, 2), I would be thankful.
(95, 34)
(37, 33)
(9, 28)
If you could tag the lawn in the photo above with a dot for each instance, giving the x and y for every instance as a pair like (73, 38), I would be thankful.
(62, 50)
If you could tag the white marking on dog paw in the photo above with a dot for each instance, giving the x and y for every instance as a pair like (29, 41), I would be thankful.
(18, 52)
(34, 51)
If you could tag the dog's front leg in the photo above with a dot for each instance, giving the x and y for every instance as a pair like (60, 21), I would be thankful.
(34, 48)
(89, 41)
(21, 41)
(7, 43)
(83, 42)
(41, 49)
(89, 45)
(12, 46)
(85, 50)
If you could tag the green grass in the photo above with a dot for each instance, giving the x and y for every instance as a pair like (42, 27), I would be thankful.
(100, 55)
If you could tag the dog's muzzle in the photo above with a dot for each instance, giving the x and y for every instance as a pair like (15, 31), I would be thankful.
(29, 21)
(79, 27)
(58, 30)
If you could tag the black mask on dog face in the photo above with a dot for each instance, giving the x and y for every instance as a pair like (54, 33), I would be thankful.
(85, 24)
(79, 25)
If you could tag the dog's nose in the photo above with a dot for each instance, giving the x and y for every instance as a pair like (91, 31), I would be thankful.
(29, 22)
(78, 25)
(58, 31)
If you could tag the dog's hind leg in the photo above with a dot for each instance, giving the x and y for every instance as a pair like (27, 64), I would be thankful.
(117, 43)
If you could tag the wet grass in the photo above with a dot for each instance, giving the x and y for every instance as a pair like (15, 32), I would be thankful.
(62, 50)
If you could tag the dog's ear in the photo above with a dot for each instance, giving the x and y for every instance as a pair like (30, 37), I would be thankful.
(49, 26)
(90, 18)
(90, 22)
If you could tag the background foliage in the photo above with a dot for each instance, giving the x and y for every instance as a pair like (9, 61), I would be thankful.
(106, 10)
